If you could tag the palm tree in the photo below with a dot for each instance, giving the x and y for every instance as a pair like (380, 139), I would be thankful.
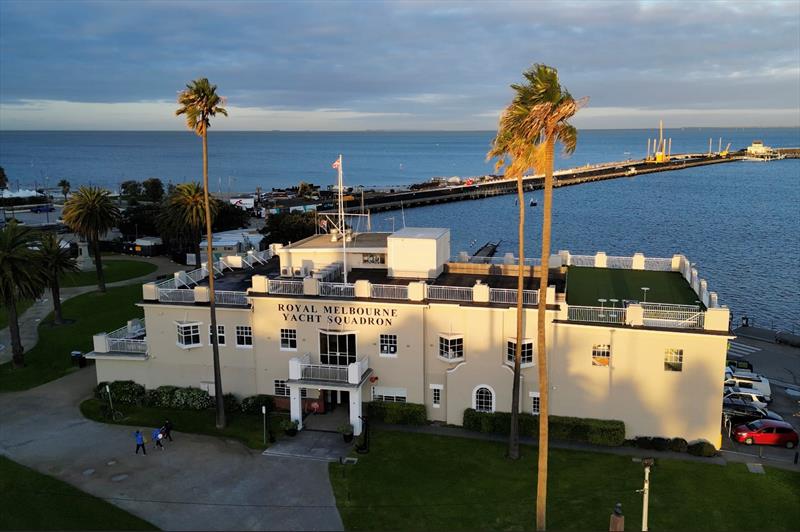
(199, 102)
(55, 262)
(64, 184)
(528, 130)
(20, 278)
(90, 213)
(186, 213)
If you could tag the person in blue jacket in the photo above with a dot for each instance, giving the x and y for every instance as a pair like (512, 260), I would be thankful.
(157, 438)
(139, 442)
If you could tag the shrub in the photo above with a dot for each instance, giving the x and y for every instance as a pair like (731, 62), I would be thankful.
(191, 399)
(230, 402)
(161, 397)
(644, 442)
(660, 444)
(253, 404)
(397, 413)
(678, 445)
(122, 392)
(702, 448)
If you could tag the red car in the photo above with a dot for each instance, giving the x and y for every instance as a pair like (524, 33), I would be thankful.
(766, 432)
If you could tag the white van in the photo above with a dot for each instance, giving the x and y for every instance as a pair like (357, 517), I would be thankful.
(747, 381)
(748, 396)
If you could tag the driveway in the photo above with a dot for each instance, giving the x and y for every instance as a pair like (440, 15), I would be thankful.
(197, 483)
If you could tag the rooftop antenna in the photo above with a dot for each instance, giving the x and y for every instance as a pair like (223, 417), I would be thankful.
(342, 230)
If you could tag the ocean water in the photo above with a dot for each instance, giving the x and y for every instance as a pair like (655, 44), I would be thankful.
(739, 222)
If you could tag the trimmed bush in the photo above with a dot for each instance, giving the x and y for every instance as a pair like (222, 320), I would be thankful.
(122, 392)
(678, 445)
(644, 442)
(702, 448)
(161, 397)
(660, 444)
(230, 402)
(397, 413)
(191, 399)
(253, 404)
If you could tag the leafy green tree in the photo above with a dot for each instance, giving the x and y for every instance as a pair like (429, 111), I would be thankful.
(288, 227)
(153, 189)
(3, 179)
(529, 128)
(131, 189)
(185, 214)
(229, 217)
(304, 190)
(199, 102)
(20, 278)
(91, 213)
(55, 261)
(64, 184)
(141, 219)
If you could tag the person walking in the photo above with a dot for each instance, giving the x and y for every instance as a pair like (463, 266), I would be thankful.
(157, 438)
(139, 442)
(167, 429)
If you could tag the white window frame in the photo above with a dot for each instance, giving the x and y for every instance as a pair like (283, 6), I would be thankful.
(450, 338)
(475, 398)
(597, 354)
(220, 335)
(535, 405)
(525, 341)
(286, 336)
(436, 395)
(244, 346)
(181, 324)
(282, 384)
(389, 340)
(338, 333)
(389, 394)
(673, 355)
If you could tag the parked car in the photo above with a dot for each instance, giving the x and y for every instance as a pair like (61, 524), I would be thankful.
(739, 411)
(766, 432)
(749, 381)
(736, 364)
(748, 396)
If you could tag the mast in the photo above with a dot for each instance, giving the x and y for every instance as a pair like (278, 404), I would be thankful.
(661, 136)
(342, 228)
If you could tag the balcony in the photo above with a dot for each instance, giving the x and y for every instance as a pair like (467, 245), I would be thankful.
(129, 341)
(303, 371)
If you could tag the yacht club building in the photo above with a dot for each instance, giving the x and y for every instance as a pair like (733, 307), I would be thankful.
(637, 339)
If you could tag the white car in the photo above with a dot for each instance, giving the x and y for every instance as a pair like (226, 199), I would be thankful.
(748, 396)
(746, 381)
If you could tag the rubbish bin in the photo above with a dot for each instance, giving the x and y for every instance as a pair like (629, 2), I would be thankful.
(78, 359)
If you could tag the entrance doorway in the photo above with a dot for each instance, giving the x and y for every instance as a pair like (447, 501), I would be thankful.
(337, 412)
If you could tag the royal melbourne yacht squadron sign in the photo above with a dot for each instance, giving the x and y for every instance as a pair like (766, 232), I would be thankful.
(337, 314)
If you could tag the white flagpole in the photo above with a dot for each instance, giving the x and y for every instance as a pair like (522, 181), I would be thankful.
(342, 222)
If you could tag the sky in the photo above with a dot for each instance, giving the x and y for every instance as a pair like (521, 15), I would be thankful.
(413, 65)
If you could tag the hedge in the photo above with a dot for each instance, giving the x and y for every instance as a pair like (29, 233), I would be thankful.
(702, 448)
(607, 432)
(122, 392)
(397, 413)
(253, 404)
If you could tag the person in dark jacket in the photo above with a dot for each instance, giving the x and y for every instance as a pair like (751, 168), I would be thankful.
(167, 430)
(139, 442)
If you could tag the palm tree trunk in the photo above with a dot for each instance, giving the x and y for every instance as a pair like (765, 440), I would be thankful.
(98, 264)
(541, 352)
(513, 437)
(56, 293)
(211, 299)
(17, 351)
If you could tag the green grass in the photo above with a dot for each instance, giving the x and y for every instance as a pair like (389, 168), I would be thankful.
(586, 285)
(22, 306)
(425, 482)
(92, 313)
(247, 428)
(32, 501)
(115, 270)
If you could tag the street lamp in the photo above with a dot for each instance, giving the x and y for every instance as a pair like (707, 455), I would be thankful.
(647, 463)
(644, 292)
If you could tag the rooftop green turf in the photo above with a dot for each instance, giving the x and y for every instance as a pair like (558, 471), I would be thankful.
(586, 285)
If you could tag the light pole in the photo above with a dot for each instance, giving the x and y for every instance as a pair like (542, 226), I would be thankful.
(264, 414)
(647, 463)
(644, 293)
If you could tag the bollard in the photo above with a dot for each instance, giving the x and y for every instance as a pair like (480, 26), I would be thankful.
(617, 519)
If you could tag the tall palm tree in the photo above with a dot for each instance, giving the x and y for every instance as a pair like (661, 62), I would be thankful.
(64, 184)
(186, 213)
(527, 133)
(90, 213)
(199, 102)
(20, 278)
(55, 262)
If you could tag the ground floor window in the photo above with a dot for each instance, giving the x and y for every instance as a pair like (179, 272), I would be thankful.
(437, 397)
(673, 360)
(389, 395)
(526, 355)
(601, 355)
(483, 399)
(188, 334)
(282, 390)
(244, 336)
(535, 403)
(220, 335)
(451, 347)
(337, 348)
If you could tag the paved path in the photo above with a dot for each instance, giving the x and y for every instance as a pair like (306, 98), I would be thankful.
(197, 483)
(29, 321)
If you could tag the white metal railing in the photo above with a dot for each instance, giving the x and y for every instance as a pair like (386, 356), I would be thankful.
(167, 284)
(672, 316)
(450, 293)
(127, 345)
(495, 260)
(288, 288)
(135, 328)
(620, 263)
(323, 372)
(176, 295)
(597, 314)
(229, 297)
(582, 260)
(658, 264)
(509, 296)
(389, 291)
(337, 290)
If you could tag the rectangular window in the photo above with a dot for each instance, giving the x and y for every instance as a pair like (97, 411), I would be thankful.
(673, 360)
(601, 355)
(220, 335)
(437, 397)
(451, 347)
(281, 390)
(535, 403)
(389, 395)
(188, 334)
(244, 336)
(288, 340)
(337, 349)
(388, 344)
(526, 356)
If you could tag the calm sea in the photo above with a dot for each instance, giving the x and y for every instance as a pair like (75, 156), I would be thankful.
(738, 222)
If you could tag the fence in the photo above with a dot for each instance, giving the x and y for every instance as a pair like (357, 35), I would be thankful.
(229, 297)
(582, 260)
(620, 263)
(672, 316)
(597, 314)
(127, 345)
(176, 295)
(337, 290)
(450, 293)
(323, 372)
(287, 288)
(658, 264)
(137, 328)
(389, 291)
(509, 296)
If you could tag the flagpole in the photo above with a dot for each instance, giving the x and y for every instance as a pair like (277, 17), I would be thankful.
(342, 222)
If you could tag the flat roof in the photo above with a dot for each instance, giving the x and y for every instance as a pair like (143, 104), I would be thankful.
(585, 285)
(380, 276)
(359, 240)
(420, 232)
(239, 280)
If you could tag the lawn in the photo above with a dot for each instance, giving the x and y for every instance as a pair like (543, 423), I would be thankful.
(425, 482)
(22, 306)
(247, 428)
(91, 313)
(115, 270)
(32, 501)
(586, 285)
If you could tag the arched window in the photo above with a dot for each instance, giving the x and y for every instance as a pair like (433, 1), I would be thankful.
(484, 399)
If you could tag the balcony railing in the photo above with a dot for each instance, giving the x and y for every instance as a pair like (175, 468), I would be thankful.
(389, 291)
(176, 295)
(672, 316)
(228, 297)
(287, 288)
(597, 314)
(450, 293)
(323, 372)
(127, 345)
(134, 329)
(301, 368)
(337, 290)
(509, 296)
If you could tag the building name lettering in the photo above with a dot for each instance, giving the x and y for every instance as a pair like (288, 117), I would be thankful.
(337, 314)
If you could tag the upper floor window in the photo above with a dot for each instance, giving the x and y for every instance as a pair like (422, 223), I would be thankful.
(483, 399)
(337, 348)
(451, 347)
(188, 334)
(526, 356)
(673, 359)
(388, 345)
(244, 336)
(220, 335)
(601, 355)
(288, 339)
